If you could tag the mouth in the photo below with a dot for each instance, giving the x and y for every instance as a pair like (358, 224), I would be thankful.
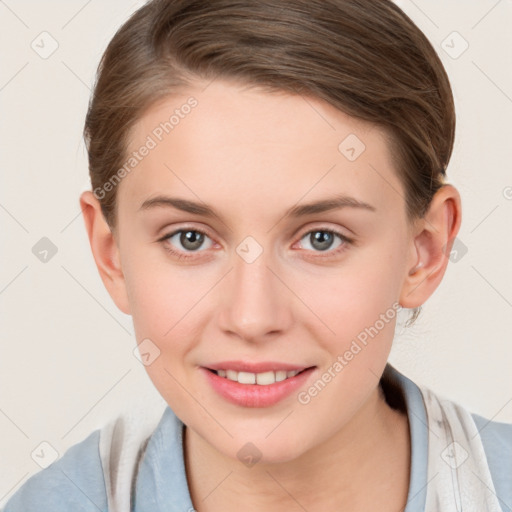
(263, 388)
(262, 379)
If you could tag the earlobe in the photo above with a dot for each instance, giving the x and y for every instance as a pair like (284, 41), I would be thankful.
(105, 250)
(431, 246)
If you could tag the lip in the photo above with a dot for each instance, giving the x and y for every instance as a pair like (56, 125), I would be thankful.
(255, 395)
(252, 367)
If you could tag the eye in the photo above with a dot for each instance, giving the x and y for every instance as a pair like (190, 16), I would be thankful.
(183, 243)
(186, 241)
(323, 240)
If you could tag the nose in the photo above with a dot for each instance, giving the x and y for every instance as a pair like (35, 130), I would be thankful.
(256, 305)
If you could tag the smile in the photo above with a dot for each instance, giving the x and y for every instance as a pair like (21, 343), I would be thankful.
(257, 389)
(262, 379)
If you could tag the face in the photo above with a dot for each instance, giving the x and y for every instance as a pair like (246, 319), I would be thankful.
(250, 275)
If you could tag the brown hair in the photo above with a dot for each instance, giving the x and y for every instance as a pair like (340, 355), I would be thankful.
(364, 57)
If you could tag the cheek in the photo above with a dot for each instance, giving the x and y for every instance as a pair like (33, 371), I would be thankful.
(347, 300)
(156, 289)
(167, 303)
(164, 304)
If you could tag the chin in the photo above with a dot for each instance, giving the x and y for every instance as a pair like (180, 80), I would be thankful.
(267, 451)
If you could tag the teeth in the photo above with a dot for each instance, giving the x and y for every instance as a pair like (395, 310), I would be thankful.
(263, 379)
(280, 375)
(232, 375)
(246, 378)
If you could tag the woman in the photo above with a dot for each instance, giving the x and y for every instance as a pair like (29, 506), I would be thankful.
(268, 191)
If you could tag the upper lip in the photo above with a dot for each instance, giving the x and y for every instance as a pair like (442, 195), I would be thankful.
(254, 367)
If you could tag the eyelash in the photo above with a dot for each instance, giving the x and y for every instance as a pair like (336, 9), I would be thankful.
(185, 256)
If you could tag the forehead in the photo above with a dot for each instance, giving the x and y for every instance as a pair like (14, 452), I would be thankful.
(235, 143)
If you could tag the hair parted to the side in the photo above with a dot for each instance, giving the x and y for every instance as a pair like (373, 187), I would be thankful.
(364, 57)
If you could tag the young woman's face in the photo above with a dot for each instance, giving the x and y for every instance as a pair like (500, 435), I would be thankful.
(262, 279)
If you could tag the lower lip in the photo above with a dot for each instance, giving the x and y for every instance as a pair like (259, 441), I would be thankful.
(255, 395)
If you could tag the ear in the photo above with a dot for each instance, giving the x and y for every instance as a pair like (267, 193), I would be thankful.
(432, 241)
(105, 250)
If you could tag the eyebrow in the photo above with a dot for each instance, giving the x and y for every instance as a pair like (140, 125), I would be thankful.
(324, 205)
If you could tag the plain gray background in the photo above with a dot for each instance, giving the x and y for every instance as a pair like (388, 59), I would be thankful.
(67, 363)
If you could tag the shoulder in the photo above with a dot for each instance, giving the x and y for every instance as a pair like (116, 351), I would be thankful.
(98, 472)
(73, 482)
(497, 442)
(496, 436)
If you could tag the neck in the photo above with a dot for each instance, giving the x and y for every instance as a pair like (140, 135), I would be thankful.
(370, 458)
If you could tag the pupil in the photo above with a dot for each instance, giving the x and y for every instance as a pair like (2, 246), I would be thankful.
(191, 240)
(321, 240)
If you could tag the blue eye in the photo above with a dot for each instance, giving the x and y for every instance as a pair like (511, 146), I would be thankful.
(190, 240)
(322, 240)
(186, 243)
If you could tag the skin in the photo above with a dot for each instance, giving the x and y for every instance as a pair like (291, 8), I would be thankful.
(252, 155)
